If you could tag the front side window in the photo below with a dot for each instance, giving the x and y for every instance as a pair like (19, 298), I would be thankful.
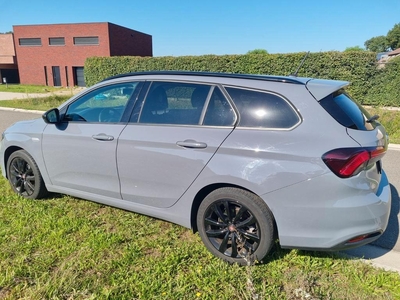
(174, 103)
(103, 105)
(263, 109)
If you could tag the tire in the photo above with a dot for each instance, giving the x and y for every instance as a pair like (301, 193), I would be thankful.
(236, 225)
(24, 176)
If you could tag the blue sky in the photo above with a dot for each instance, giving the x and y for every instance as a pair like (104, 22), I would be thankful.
(197, 27)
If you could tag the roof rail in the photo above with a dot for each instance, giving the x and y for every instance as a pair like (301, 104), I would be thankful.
(286, 79)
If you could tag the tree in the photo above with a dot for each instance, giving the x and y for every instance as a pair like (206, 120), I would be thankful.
(355, 48)
(257, 51)
(393, 37)
(377, 44)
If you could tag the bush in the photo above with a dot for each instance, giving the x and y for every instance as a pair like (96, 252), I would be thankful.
(357, 67)
(386, 88)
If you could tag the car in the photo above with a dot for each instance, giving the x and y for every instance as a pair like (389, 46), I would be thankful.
(244, 160)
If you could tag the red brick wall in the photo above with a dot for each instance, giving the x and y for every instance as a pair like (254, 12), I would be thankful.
(32, 60)
(125, 41)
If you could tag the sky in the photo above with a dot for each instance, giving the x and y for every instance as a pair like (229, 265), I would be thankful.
(199, 27)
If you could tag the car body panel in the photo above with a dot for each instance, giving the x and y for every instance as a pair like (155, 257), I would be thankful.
(331, 212)
(75, 159)
(150, 155)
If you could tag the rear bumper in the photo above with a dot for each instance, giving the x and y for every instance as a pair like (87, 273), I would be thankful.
(325, 214)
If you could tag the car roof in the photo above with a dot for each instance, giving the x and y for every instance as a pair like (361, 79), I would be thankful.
(288, 79)
(319, 88)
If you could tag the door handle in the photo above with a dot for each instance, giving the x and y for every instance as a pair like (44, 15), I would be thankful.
(103, 137)
(192, 144)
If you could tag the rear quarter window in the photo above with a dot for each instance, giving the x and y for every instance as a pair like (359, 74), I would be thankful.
(347, 111)
(263, 109)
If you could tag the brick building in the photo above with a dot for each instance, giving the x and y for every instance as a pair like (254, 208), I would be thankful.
(55, 54)
(8, 61)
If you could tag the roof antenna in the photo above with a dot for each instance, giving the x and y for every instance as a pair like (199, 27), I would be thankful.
(301, 64)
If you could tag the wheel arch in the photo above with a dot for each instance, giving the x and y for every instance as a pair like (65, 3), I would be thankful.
(7, 153)
(203, 194)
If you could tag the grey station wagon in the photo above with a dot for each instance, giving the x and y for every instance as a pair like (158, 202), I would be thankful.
(242, 159)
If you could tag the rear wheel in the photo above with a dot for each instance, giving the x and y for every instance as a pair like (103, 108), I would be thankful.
(236, 225)
(24, 176)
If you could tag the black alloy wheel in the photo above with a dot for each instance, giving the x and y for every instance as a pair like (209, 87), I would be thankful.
(236, 225)
(24, 176)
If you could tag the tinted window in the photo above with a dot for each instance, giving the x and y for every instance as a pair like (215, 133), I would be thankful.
(263, 110)
(346, 111)
(174, 103)
(219, 111)
(105, 105)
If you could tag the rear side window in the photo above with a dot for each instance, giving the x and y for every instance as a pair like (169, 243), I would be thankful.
(347, 111)
(174, 103)
(263, 110)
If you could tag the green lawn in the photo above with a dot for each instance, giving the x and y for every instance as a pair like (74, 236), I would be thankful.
(24, 88)
(65, 248)
(44, 103)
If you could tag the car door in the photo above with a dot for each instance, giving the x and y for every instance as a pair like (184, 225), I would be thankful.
(170, 139)
(80, 152)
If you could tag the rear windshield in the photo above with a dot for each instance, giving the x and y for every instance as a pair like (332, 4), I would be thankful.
(347, 111)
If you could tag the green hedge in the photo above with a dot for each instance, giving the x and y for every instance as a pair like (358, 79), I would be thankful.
(386, 86)
(358, 67)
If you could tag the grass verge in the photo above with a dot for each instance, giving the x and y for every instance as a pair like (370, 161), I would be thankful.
(65, 248)
(44, 103)
(25, 88)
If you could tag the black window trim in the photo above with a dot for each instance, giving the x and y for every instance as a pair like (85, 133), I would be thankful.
(300, 119)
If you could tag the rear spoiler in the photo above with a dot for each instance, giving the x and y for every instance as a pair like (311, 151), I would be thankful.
(320, 88)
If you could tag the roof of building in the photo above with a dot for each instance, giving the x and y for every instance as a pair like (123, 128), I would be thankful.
(394, 52)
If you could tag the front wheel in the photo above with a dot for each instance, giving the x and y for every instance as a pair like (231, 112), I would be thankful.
(235, 225)
(24, 176)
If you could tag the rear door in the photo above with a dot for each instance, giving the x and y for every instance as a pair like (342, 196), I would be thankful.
(170, 139)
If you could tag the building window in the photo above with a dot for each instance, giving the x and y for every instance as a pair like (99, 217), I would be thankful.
(59, 41)
(30, 42)
(86, 40)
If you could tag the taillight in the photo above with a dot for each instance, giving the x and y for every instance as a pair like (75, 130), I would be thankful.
(348, 162)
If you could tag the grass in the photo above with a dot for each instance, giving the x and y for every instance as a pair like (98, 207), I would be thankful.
(23, 88)
(40, 103)
(391, 120)
(65, 248)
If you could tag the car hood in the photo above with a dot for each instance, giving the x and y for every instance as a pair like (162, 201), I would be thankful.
(26, 127)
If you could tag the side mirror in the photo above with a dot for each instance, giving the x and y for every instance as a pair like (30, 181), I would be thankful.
(52, 116)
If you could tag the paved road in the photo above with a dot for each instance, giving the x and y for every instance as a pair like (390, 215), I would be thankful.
(387, 251)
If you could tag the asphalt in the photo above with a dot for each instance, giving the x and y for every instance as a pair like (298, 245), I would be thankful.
(380, 257)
